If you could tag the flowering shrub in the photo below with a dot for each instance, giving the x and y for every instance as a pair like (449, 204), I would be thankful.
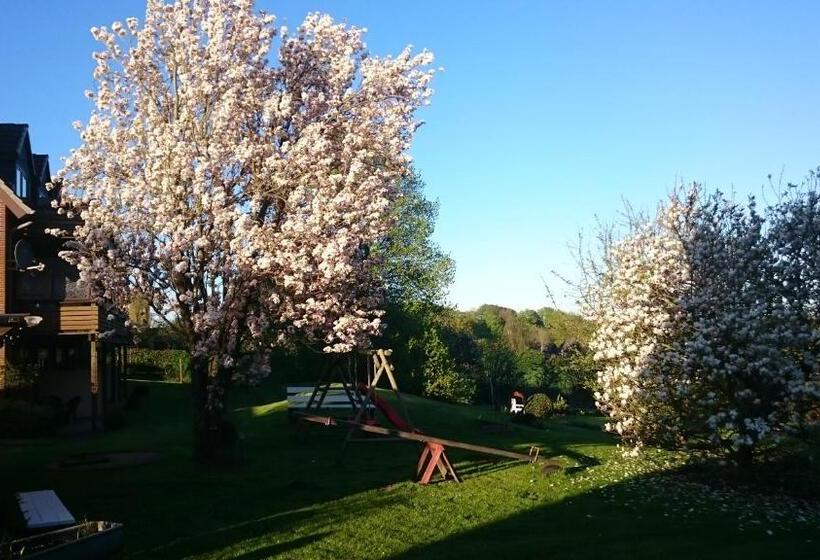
(700, 337)
(235, 195)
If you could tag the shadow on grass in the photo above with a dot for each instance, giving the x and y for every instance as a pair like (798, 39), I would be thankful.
(271, 551)
(584, 461)
(175, 508)
(644, 518)
(233, 539)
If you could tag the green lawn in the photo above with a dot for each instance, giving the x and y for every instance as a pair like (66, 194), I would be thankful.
(290, 499)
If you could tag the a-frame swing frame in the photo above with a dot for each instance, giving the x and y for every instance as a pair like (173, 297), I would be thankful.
(432, 458)
(334, 369)
(379, 367)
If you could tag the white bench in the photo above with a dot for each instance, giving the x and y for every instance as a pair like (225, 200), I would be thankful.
(43, 509)
(336, 397)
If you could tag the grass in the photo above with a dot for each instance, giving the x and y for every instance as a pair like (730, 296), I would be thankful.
(292, 500)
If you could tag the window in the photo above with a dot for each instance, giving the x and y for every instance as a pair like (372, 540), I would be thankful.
(21, 188)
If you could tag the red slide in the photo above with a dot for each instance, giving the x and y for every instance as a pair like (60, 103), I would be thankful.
(392, 416)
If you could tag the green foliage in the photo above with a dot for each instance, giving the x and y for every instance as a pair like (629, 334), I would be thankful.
(160, 337)
(559, 405)
(562, 327)
(571, 370)
(442, 378)
(532, 317)
(530, 364)
(169, 364)
(22, 419)
(479, 355)
(22, 371)
(139, 313)
(538, 405)
(415, 270)
(505, 324)
(416, 273)
(499, 370)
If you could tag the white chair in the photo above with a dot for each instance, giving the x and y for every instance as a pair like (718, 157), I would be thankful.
(516, 406)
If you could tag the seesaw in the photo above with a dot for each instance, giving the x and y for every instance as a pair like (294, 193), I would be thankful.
(433, 458)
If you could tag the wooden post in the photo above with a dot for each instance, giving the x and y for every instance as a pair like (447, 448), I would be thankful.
(120, 393)
(125, 370)
(432, 458)
(95, 382)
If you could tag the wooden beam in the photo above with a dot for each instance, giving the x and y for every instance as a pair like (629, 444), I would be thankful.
(330, 421)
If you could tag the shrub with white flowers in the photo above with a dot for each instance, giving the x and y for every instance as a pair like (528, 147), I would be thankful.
(700, 336)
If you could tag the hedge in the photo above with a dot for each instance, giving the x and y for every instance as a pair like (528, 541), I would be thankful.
(172, 365)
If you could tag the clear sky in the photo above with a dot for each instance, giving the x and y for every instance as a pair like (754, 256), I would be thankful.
(547, 114)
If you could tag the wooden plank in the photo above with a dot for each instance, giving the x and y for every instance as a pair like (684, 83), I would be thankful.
(42, 509)
(328, 421)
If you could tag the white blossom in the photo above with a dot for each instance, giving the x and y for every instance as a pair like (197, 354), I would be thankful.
(232, 194)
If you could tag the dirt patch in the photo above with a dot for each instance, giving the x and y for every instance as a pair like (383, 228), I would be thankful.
(109, 460)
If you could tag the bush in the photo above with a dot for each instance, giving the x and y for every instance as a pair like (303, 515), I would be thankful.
(572, 370)
(559, 405)
(707, 324)
(443, 379)
(538, 405)
(21, 419)
(171, 365)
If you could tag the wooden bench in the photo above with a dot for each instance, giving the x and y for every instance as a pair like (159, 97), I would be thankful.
(336, 397)
(42, 509)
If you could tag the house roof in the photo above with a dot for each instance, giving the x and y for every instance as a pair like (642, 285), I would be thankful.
(13, 202)
(12, 137)
(41, 167)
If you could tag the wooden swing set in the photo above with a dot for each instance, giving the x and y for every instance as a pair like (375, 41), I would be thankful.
(364, 400)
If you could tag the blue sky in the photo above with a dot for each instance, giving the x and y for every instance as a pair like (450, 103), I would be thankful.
(547, 113)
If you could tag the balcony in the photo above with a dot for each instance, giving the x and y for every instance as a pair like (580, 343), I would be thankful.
(58, 282)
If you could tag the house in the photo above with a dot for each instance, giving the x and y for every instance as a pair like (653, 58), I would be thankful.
(56, 344)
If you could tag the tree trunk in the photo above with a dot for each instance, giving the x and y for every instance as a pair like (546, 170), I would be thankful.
(215, 438)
